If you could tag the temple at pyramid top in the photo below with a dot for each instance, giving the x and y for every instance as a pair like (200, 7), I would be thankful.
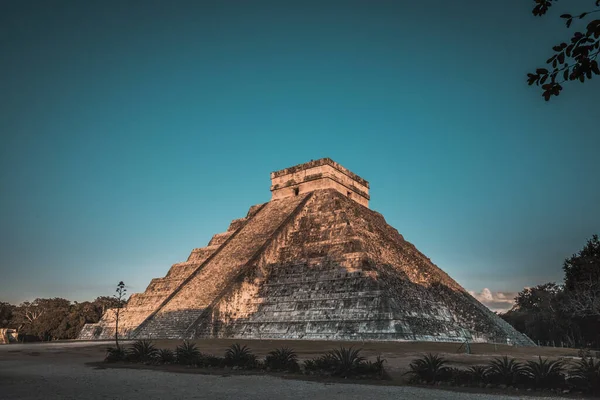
(319, 174)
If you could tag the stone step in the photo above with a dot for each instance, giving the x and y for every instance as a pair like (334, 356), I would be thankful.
(206, 285)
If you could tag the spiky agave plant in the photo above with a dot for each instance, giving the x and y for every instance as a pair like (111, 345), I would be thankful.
(187, 353)
(282, 359)
(239, 356)
(166, 356)
(506, 370)
(345, 360)
(478, 373)
(545, 373)
(586, 374)
(374, 367)
(429, 368)
(114, 354)
(143, 351)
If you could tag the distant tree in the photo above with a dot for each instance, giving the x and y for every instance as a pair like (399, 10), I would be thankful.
(568, 313)
(572, 61)
(106, 302)
(538, 313)
(120, 297)
(6, 313)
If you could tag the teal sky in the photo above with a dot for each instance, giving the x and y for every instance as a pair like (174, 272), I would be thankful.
(131, 132)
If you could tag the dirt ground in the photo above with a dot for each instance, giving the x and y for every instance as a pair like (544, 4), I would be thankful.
(398, 355)
(74, 366)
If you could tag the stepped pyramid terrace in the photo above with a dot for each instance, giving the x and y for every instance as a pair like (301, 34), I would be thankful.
(312, 263)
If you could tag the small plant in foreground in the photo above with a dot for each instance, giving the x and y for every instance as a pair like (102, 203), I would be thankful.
(429, 368)
(142, 351)
(346, 360)
(586, 375)
(165, 356)
(478, 373)
(187, 353)
(283, 359)
(240, 356)
(373, 368)
(114, 354)
(213, 361)
(545, 373)
(506, 371)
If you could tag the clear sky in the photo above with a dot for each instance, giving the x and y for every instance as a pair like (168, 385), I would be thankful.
(131, 132)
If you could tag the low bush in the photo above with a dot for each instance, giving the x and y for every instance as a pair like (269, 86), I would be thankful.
(213, 361)
(545, 374)
(166, 356)
(283, 359)
(372, 368)
(142, 351)
(345, 362)
(240, 356)
(114, 354)
(506, 371)
(478, 374)
(429, 368)
(187, 354)
(585, 375)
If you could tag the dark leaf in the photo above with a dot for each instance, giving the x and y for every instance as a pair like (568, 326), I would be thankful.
(569, 21)
(582, 15)
(540, 71)
(566, 74)
(566, 16)
(544, 78)
(569, 50)
(594, 67)
(561, 58)
(556, 48)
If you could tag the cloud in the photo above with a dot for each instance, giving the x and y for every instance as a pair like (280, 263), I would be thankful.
(495, 301)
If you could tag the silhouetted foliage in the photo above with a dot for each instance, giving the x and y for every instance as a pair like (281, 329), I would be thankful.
(143, 351)
(119, 296)
(283, 359)
(166, 356)
(586, 375)
(187, 353)
(506, 371)
(564, 315)
(240, 356)
(545, 373)
(114, 354)
(429, 368)
(574, 59)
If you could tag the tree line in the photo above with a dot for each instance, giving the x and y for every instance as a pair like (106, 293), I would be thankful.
(54, 318)
(566, 314)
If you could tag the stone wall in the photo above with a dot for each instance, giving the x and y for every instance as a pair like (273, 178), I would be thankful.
(318, 175)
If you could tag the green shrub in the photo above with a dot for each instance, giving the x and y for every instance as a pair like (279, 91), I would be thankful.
(213, 361)
(283, 359)
(166, 356)
(187, 354)
(586, 375)
(429, 368)
(545, 373)
(142, 351)
(372, 368)
(114, 354)
(478, 374)
(240, 356)
(346, 361)
(506, 371)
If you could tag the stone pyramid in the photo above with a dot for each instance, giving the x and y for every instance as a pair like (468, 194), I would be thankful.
(313, 263)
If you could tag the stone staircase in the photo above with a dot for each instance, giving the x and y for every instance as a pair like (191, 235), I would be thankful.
(187, 304)
(141, 305)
